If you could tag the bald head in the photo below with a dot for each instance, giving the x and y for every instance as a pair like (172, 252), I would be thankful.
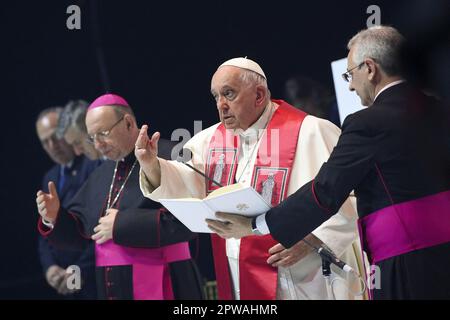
(114, 131)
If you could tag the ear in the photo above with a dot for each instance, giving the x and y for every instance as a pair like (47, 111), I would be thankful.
(128, 121)
(371, 69)
(261, 94)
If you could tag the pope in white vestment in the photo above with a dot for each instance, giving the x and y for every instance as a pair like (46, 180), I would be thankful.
(316, 139)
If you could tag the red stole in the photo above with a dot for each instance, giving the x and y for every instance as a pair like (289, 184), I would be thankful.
(271, 174)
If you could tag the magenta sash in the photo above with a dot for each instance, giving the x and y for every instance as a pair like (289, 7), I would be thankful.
(151, 277)
(405, 227)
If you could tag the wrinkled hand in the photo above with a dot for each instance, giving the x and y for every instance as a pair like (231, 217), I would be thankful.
(104, 230)
(232, 226)
(146, 150)
(48, 203)
(54, 275)
(282, 257)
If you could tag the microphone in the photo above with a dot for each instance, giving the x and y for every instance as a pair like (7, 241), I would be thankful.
(326, 255)
(186, 153)
(330, 257)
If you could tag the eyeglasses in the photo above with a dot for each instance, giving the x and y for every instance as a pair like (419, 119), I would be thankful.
(102, 135)
(347, 76)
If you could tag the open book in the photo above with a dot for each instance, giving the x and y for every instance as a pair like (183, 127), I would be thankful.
(234, 198)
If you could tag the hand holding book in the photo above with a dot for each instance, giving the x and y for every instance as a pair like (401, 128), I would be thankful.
(235, 199)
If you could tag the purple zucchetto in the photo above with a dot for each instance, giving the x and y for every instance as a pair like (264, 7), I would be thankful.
(108, 99)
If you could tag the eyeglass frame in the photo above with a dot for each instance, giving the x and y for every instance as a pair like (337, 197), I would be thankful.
(103, 134)
(348, 76)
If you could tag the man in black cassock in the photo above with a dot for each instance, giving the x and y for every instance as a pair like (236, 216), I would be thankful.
(395, 156)
(141, 249)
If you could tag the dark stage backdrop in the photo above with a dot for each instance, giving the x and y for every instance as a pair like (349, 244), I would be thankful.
(160, 55)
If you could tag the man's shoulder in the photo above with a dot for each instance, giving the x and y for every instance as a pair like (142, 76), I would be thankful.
(86, 164)
(104, 166)
(204, 134)
(372, 119)
(312, 125)
(210, 130)
(366, 114)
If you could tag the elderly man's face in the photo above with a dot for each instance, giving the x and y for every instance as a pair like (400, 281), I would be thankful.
(78, 140)
(359, 83)
(235, 99)
(116, 144)
(57, 149)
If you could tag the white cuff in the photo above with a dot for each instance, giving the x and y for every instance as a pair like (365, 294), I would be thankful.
(261, 224)
(48, 224)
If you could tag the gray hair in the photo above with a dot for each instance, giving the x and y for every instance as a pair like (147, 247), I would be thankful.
(251, 77)
(122, 111)
(73, 115)
(383, 44)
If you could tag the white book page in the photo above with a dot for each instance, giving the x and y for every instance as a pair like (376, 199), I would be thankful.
(246, 202)
(191, 213)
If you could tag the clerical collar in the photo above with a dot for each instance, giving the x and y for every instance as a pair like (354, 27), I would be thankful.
(259, 124)
(387, 87)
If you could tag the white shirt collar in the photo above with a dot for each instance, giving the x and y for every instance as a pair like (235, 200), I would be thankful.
(388, 86)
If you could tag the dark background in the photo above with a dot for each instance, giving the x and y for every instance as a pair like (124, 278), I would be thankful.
(160, 55)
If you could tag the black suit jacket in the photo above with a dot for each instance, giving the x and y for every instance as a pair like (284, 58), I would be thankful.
(403, 137)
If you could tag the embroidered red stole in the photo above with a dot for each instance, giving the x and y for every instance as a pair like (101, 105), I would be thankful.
(271, 174)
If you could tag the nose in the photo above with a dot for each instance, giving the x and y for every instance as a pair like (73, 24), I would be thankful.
(350, 86)
(98, 144)
(222, 104)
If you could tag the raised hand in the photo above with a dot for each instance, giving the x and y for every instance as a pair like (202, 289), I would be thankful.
(146, 152)
(48, 203)
(146, 149)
